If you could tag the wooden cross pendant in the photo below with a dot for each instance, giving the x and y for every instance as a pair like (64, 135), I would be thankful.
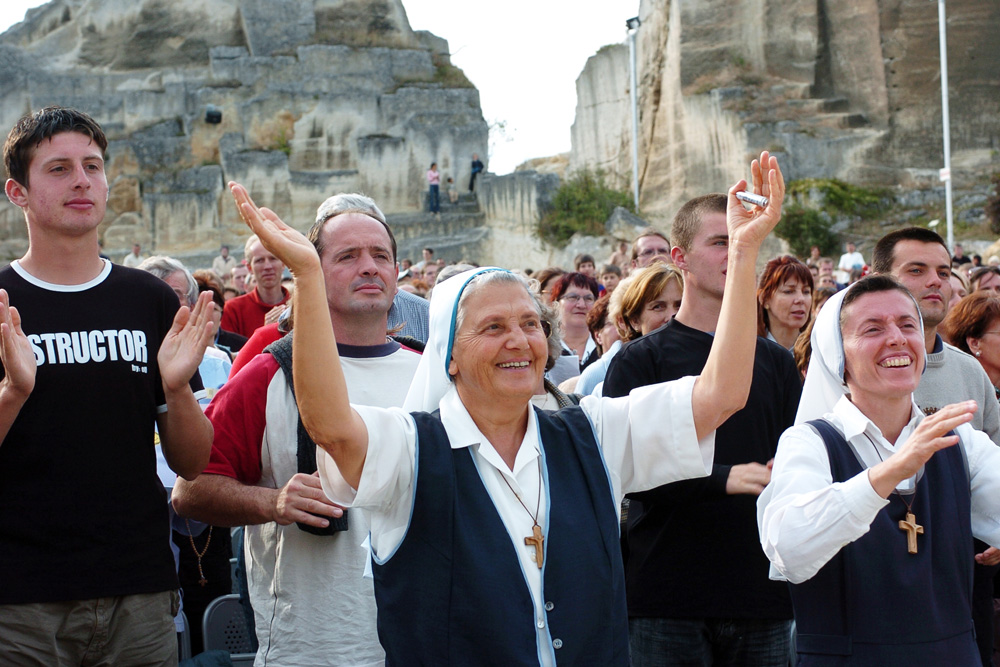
(537, 539)
(203, 581)
(912, 529)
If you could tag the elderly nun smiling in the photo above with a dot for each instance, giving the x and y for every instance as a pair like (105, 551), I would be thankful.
(494, 525)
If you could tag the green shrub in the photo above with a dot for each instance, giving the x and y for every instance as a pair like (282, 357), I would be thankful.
(804, 228)
(993, 206)
(582, 204)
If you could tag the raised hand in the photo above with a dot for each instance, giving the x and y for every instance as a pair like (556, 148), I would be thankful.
(15, 351)
(750, 227)
(184, 345)
(929, 437)
(286, 243)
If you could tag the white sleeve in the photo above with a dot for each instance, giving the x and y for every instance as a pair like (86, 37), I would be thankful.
(385, 492)
(648, 437)
(984, 476)
(805, 518)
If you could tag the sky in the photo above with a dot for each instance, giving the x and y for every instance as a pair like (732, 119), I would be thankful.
(523, 55)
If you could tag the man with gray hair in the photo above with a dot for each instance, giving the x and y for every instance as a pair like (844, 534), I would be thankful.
(312, 605)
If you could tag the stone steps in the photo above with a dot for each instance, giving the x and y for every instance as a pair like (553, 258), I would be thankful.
(820, 105)
(792, 91)
(843, 121)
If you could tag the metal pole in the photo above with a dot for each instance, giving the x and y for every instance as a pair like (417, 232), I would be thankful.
(635, 113)
(945, 125)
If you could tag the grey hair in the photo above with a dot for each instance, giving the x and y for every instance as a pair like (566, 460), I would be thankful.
(451, 270)
(163, 267)
(550, 316)
(486, 279)
(340, 204)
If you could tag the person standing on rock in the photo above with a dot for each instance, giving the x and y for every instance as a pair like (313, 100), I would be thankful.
(477, 168)
(434, 181)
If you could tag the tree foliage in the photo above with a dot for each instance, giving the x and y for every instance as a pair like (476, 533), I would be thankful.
(582, 204)
(804, 228)
(993, 206)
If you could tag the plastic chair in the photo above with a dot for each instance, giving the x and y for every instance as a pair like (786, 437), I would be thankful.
(224, 627)
(184, 639)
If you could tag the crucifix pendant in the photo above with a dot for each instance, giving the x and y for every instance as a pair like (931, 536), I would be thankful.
(912, 529)
(536, 539)
(202, 581)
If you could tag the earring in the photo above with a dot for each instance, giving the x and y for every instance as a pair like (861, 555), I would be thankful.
(979, 353)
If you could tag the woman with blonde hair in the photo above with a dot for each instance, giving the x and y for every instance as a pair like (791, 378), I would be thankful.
(651, 298)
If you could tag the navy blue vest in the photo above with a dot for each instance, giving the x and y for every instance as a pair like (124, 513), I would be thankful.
(876, 604)
(454, 592)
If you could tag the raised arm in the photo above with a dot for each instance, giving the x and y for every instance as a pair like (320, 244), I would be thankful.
(724, 384)
(320, 387)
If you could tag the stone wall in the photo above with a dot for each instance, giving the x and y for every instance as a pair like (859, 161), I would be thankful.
(316, 97)
(847, 89)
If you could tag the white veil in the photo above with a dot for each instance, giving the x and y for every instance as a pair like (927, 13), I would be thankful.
(824, 383)
(431, 381)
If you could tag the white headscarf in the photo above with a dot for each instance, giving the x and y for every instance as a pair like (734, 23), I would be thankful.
(824, 384)
(431, 381)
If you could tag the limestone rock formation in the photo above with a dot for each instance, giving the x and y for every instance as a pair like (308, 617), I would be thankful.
(846, 89)
(315, 97)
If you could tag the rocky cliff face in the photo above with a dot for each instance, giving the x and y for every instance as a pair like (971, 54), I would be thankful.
(847, 89)
(316, 97)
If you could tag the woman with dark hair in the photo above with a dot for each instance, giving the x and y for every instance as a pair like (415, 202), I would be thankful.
(603, 321)
(973, 326)
(576, 294)
(819, 297)
(784, 300)
(546, 279)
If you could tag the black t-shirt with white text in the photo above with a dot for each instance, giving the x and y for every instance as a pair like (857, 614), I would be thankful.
(82, 511)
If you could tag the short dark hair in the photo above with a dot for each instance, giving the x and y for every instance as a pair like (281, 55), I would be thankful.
(32, 129)
(885, 250)
(583, 258)
(688, 220)
(565, 281)
(649, 231)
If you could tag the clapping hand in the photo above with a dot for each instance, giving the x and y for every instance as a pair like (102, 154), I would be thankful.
(184, 345)
(15, 351)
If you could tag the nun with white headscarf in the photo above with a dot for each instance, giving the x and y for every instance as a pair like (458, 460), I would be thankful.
(872, 506)
(494, 525)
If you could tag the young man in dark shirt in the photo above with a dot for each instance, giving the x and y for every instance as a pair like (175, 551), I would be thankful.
(696, 577)
(93, 355)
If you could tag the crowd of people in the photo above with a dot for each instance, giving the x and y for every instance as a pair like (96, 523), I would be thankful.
(668, 457)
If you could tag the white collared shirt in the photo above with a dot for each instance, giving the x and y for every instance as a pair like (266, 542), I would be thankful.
(805, 518)
(657, 447)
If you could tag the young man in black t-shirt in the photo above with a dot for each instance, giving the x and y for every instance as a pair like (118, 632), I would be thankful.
(696, 577)
(92, 355)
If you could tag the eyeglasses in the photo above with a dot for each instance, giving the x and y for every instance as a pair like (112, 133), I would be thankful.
(573, 298)
(649, 252)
